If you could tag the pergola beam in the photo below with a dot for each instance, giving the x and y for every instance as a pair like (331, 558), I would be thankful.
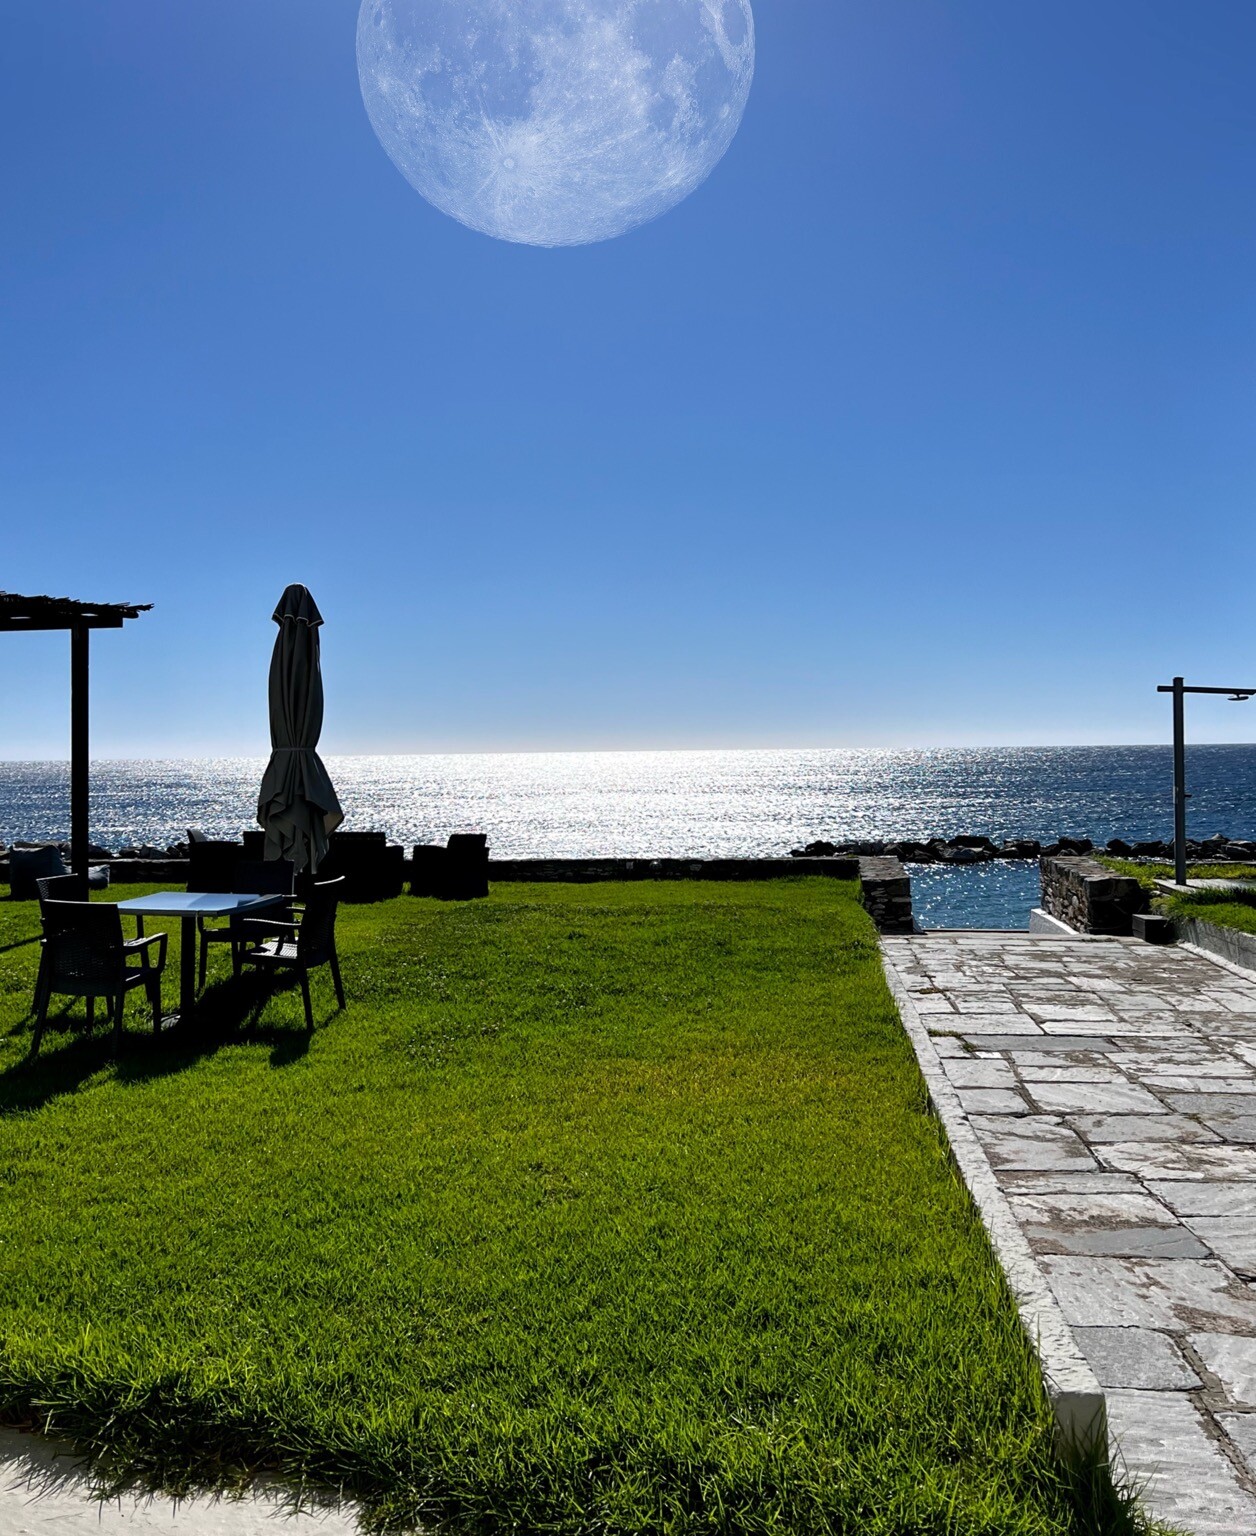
(18, 626)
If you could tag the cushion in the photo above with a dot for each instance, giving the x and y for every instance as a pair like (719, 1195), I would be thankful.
(26, 865)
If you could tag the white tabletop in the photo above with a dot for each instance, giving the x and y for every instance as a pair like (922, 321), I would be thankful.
(196, 904)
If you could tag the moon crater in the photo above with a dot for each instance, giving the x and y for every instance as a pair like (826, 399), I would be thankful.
(555, 122)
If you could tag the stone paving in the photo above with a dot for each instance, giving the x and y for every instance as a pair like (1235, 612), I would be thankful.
(44, 1493)
(1112, 1086)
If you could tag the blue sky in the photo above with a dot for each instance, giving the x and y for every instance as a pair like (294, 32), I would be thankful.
(930, 418)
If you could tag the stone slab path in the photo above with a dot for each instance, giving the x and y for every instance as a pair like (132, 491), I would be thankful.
(42, 1493)
(1112, 1087)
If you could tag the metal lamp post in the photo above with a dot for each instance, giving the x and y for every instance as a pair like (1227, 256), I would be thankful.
(1179, 689)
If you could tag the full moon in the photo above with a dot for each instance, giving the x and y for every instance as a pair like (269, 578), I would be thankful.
(555, 122)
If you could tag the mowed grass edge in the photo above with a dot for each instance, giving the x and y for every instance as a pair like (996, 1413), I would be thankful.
(602, 1209)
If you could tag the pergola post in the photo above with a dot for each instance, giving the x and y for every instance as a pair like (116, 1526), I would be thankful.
(1179, 780)
(80, 748)
(1179, 689)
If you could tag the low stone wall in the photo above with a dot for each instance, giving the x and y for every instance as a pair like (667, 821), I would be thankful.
(1089, 897)
(171, 872)
(885, 890)
(174, 872)
(585, 871)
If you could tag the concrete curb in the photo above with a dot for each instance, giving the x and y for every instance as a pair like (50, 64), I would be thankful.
(1077, 1399)
(1042, 925)
(1232, 945)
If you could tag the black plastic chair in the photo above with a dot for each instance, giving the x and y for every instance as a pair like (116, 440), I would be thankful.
(55, 888)
(302, 946)
(60, 888)
(85, 955)
(268, 877)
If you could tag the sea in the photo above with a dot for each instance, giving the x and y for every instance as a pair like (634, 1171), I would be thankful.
(690, 804)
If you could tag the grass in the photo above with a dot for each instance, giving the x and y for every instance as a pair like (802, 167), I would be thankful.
(1148, 873)
(1224, 908)
(609, 1209)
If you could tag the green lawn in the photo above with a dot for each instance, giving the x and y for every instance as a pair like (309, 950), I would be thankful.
(1226, 909)
(1148, 873)
(608, 1209)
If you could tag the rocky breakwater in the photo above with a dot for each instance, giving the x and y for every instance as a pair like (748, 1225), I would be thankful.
(1218, 849)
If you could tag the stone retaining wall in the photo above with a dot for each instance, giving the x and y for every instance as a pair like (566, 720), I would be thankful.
(174, 872)
(885, 890)
(1089, 897)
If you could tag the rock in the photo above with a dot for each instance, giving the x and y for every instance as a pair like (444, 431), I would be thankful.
(128, 853)
(817, 850)
(983, 844)
(1075, 845)
(1119, 848)
(1150, 850)
(951, 855)
(1240, 853)
(1021, 848)
(95, 851)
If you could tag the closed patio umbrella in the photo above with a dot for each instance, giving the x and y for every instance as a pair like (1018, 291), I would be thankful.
(297, 805)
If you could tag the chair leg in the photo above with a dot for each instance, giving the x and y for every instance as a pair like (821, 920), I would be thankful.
(41, 982)
(335, 976)
(119, 1003)
(309, 1007)
(204, 960)
(153, 987)
(41, 1020)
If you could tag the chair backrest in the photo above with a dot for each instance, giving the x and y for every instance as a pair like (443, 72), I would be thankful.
(316, 937)
(212, 866)
(61, 888)
(83, 944)
(264, 877)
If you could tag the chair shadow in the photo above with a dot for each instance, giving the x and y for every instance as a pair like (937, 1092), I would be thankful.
(229, 1012)
(19, 944)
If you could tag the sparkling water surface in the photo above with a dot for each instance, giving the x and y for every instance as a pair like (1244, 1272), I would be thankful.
(690, 804)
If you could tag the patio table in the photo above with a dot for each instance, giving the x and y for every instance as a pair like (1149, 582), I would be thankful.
(187, 906)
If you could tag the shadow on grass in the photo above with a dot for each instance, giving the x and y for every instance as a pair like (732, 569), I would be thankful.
(19, 944)
(229, 1012)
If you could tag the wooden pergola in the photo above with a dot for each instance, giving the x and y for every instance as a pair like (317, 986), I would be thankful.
(30, 614)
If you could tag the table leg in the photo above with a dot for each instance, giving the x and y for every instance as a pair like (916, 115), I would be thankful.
(187, 967)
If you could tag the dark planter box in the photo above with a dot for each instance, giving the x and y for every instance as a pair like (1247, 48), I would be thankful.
(372, 868)
(457, 872)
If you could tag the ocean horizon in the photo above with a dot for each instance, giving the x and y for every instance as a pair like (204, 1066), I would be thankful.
(755, 803)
